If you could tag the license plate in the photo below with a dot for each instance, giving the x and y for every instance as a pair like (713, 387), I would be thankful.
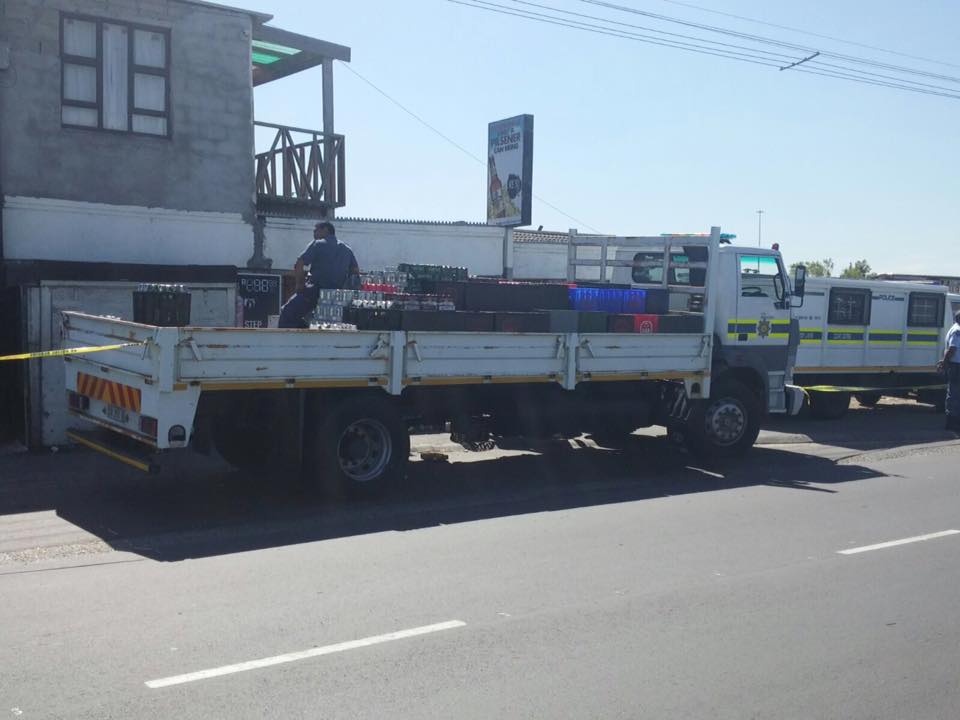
(116, 414)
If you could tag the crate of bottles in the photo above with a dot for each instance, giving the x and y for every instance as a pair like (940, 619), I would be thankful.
(161, 304)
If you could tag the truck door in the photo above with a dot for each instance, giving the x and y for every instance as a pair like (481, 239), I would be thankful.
(760, 333)
(763, 309)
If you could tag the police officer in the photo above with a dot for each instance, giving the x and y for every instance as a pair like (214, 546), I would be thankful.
(950, 365)
(332, 265)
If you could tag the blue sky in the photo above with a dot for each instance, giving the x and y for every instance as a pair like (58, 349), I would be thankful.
(637, 139)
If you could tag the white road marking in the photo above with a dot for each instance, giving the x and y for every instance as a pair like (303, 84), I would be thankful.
(894, 543)
(302, 655)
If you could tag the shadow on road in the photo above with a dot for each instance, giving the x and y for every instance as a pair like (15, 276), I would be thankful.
(202, 509)
(891, 424)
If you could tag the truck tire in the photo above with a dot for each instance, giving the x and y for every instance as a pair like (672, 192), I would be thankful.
(727, 424)
(868, 399)
(361, 448)
(829, 405)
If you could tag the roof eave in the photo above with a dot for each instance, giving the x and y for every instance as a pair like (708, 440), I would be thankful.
(258, 17)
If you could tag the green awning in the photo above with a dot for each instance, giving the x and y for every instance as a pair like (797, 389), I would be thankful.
(278, 53)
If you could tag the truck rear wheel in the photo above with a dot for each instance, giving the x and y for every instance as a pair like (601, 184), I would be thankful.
(829, 405)
(728, 423)
(361, 448)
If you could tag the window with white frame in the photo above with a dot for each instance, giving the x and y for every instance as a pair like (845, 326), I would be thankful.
(115, 76)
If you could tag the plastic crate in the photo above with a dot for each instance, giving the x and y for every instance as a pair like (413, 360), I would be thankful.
(162, 305)
(522, 322)
(620, 323)
(645, 323)
(592, 322)
(681, 324)
(515, 297)
(563, 321)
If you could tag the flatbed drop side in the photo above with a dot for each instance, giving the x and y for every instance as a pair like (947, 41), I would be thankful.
(339, 405)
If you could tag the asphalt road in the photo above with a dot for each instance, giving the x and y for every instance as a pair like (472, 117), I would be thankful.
(571, 581)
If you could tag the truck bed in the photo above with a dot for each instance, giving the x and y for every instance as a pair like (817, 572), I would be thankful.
(163, 374)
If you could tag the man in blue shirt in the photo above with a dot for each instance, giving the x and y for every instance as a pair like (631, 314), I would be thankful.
(332, 266)
(951, 366)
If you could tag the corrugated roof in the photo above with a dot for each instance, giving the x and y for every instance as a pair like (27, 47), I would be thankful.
(545, 237)
(398, 221)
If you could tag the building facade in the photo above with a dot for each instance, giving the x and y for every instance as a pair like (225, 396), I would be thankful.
(130, 152)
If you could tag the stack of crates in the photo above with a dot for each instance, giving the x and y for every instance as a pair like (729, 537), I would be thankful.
(161, 305)
(424, 278)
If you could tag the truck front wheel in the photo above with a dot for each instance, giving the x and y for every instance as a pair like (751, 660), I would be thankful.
(360, 448)
(728, 423)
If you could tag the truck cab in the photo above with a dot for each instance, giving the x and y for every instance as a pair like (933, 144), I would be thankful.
(755, 340)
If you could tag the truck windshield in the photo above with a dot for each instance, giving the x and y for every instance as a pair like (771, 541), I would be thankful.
(760, 277)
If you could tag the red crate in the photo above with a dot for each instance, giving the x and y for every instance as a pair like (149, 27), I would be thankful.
(646, 323)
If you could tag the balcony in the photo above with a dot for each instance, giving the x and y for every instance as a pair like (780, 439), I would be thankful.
(302, 174)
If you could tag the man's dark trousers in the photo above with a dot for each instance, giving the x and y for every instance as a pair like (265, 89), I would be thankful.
(302, 303)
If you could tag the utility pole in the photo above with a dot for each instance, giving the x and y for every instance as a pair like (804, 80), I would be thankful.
(759, 227)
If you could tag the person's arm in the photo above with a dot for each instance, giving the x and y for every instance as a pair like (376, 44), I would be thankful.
(947, 356)
(353, 275)
(299, 267)
(299, 275)
(953, 341)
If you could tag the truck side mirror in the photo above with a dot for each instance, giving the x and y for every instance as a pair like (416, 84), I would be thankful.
(800, 281)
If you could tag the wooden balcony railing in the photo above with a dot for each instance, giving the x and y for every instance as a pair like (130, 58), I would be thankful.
(302, 173)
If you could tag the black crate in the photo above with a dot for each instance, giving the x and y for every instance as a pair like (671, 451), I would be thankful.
(563, 321)
(592, 322)
(681, 323)
(620, 323)
(658, 302)
(374, 318)
(164, 308)
(427, 320)
(515, 297)
(454, 290)
(478, 321)
(522, 322)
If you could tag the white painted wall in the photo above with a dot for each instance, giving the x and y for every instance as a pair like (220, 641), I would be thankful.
(386, 244)
(211, 304)
(548, 261)
(47, 229)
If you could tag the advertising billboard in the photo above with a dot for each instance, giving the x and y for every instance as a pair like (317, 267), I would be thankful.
(510, 171)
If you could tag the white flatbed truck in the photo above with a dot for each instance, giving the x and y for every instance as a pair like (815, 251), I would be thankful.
(339, 405)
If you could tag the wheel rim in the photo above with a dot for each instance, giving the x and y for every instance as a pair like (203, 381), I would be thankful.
(364, 450)
(726, 421)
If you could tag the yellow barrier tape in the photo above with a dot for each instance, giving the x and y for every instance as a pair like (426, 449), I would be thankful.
(854, 389)
(68, 351)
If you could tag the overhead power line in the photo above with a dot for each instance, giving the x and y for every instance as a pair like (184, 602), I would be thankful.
(457, 145)
(762, 39)
(811, 34)
(757, 51)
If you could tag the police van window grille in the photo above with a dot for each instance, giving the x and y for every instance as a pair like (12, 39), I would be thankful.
(925, 310)
(849, 307)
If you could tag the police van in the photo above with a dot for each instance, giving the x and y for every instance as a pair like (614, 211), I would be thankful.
(871, 338)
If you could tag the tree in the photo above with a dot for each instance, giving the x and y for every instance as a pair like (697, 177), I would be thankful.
(859, 270)
(816, 268)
